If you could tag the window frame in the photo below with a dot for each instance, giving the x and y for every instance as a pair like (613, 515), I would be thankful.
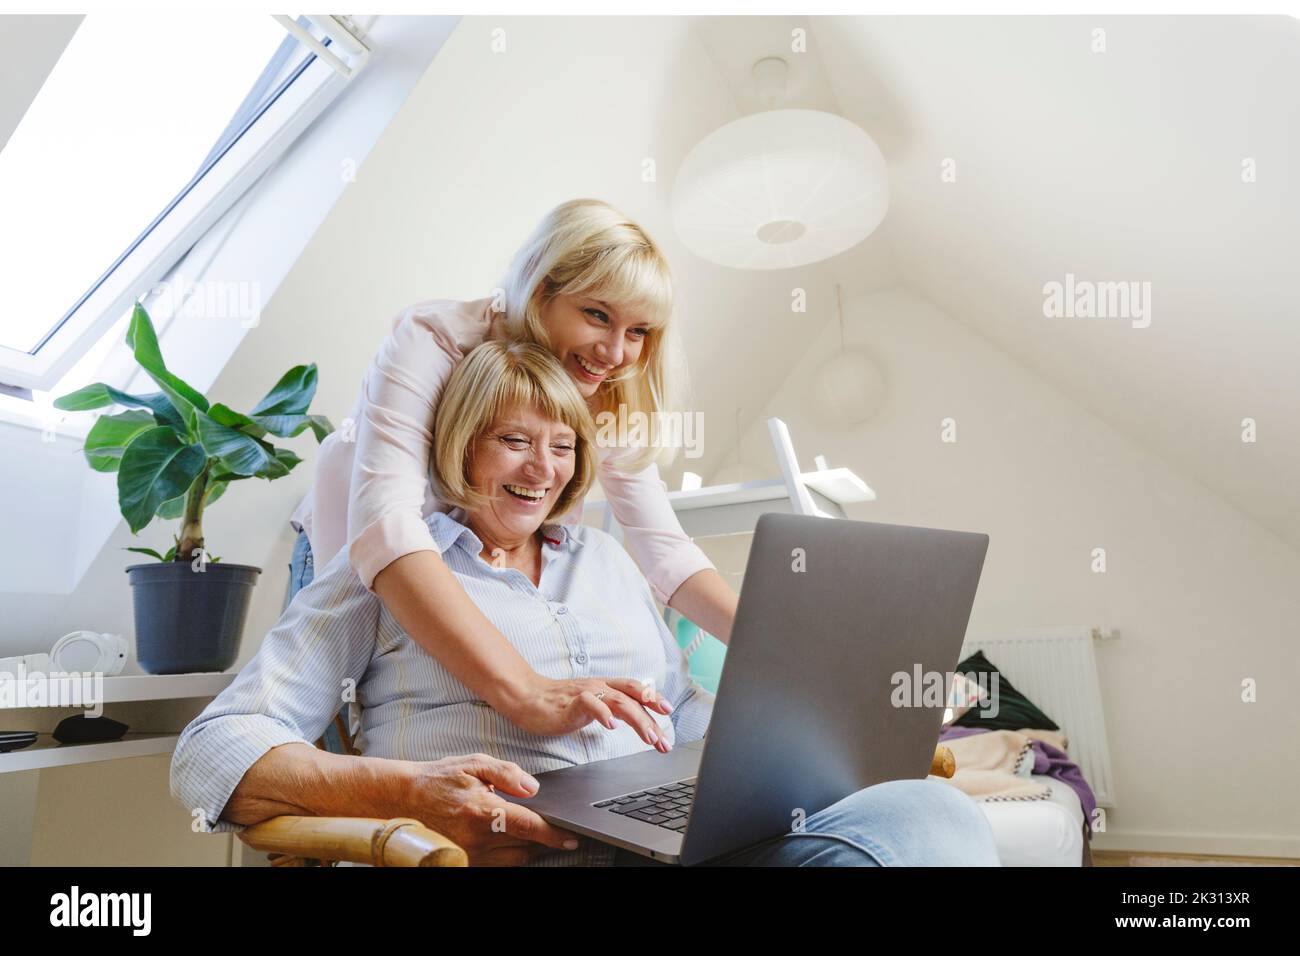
(304, 94)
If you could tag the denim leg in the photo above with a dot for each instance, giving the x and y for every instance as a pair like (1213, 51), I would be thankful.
(301, 566)
(896, 823)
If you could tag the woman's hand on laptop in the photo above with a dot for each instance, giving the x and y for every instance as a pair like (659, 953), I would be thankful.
(457, 797)
(554, 707)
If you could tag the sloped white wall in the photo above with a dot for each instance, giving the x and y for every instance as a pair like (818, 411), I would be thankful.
(1204, 597)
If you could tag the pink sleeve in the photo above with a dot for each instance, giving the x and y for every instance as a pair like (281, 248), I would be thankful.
(395, 431)
(653, 535)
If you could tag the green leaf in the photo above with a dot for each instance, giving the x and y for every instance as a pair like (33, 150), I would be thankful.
(92, 396)
(149, 551)
(171, 554)
(172, 508)
(155, 467)
(110, 435)
(291, 395)
(282, 463)
(224, 415)
(143, 341)
(98, 395)
(238, 453)
(220, 474)
(289, 426)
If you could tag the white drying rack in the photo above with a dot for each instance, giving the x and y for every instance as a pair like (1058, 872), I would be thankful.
(734, 509)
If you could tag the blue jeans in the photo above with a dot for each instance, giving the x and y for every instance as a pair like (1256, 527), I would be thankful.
(302, 568)
(896, 823)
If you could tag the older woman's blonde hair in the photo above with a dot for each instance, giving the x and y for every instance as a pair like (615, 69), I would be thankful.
(497, 377)
(587, 247)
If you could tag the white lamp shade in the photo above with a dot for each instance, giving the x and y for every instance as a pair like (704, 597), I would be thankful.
(780, 189)
(850, 388)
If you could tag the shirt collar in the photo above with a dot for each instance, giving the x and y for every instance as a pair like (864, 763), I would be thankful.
(448, 530)
(558, 535)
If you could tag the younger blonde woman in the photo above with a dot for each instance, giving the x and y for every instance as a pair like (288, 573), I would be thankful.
(593, 288)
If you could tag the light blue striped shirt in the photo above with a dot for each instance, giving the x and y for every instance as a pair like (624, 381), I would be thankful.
(592, 615)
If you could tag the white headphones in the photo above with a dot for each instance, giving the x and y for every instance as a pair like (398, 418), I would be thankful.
(85, 652)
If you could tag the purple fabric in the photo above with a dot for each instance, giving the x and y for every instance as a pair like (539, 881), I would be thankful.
(1049, 761)
(1053, 762)
(950, 732)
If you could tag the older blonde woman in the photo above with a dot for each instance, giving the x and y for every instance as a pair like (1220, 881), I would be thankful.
(590, 286)
(514, 450)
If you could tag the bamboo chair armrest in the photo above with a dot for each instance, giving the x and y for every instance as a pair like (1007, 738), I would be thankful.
(397, 842)
(944, 763)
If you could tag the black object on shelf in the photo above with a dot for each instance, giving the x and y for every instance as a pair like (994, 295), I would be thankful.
(80, 729)
(16, 740)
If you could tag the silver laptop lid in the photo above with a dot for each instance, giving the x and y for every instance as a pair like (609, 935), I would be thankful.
(806, 713)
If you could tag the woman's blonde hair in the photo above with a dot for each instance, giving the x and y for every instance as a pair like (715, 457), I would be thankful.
(587, 247)
(493, 379)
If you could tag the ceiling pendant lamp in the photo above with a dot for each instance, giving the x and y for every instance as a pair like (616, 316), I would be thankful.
(780, 188)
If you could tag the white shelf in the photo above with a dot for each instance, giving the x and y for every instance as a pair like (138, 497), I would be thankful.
(732, 509)
(48, 752)
(164, 686)
(148, 687)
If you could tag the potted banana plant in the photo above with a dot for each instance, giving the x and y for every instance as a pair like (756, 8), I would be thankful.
(175, 453)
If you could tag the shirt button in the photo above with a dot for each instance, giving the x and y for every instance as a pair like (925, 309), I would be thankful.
(581, 658)
(561, 610)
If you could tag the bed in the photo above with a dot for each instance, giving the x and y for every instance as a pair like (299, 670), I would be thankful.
(1040, 832)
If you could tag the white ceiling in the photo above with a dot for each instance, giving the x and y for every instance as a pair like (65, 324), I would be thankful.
(1123, 165)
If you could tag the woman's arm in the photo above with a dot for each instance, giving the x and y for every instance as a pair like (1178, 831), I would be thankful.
(680, 574)
(453, 796)
(394, 430)
(425, 598)
(301, 780)
(706, 599)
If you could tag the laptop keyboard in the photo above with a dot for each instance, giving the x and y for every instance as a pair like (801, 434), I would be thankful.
(667, 806)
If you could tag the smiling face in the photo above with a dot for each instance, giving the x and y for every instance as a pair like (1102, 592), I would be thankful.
(594, 339)
(521, 462)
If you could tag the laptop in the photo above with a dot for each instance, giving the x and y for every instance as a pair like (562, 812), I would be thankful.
(837, 621)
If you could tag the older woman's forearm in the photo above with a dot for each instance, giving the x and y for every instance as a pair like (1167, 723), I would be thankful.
(301, 780)
(425, 598)
(707, 600)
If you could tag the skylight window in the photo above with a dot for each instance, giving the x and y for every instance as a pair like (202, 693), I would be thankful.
(124, 121)
(147, 130)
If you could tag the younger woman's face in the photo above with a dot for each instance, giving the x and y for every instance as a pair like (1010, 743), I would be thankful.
(523, 461)
(593, 339)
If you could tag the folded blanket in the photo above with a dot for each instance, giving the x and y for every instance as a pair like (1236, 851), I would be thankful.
(1050, 759)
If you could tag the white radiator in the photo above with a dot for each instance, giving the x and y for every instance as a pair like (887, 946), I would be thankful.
(1056, 668)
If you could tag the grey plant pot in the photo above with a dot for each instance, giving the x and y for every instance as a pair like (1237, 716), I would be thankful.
(189, 621)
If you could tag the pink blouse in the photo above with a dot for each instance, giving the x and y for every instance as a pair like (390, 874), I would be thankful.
(372, 488)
